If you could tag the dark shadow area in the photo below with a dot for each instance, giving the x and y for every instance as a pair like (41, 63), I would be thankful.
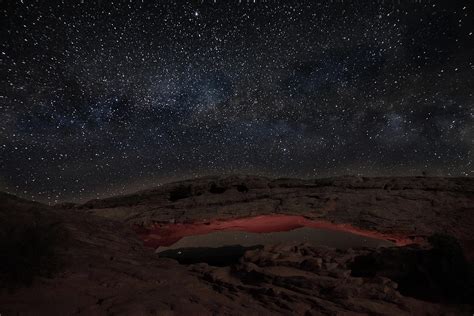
(28, 251)
(439, 274)
(215, 189)
(242, 188)
(180, 193)
(220, 257)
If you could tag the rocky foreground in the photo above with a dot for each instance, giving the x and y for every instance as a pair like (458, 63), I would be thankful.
(87, 259)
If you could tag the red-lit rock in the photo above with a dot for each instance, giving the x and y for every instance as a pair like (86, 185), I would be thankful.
(157, 235)
(108, 271)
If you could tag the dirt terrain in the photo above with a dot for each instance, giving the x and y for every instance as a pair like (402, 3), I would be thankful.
(98, 265)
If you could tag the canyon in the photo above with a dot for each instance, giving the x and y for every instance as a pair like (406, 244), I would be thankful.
(107, 265)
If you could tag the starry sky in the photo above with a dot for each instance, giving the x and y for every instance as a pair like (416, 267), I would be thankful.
(106, 97)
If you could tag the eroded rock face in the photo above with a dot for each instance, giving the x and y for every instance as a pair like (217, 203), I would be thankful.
(107, 271)
(412, 207)
(304, 279)
(440, 273)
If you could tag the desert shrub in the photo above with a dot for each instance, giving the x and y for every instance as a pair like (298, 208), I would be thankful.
(242, 188)
(215, 189)
(180, 192)
(27, 252)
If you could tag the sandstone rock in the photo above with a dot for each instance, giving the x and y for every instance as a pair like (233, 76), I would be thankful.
(276, 280)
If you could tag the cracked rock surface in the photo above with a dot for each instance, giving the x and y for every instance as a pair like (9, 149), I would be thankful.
(107, 271)
(408, 206)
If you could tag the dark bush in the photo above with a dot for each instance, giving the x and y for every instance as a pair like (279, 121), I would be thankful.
(180, 192)
(215, 189)
(242, 188)
(27, 252)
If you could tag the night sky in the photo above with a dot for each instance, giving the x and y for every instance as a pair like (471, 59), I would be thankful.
(100, 98)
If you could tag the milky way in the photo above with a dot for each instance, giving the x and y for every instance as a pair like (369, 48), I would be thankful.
(101, 98)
